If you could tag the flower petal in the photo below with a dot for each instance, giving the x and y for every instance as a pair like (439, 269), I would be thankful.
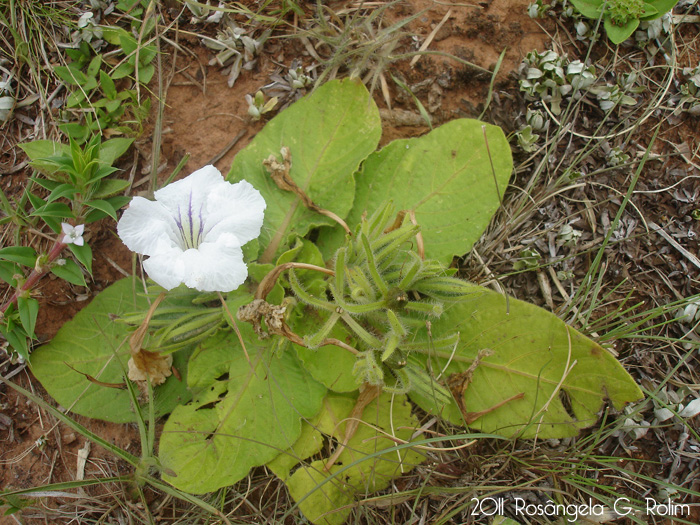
(192, 191)
(194, 231)
(211, 268)
(237, 209)
(166, 268)
(214, 267)
(187, 201)
(145, 225)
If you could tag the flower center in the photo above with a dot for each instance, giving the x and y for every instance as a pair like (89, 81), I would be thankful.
(191, 226)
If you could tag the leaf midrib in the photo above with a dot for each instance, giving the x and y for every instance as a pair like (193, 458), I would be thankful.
(527, 375)
(271, 249)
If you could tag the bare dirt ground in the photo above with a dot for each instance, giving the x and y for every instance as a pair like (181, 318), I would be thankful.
(202, 115)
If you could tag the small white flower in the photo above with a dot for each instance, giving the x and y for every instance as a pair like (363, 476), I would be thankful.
(194, 230)
(72, 234)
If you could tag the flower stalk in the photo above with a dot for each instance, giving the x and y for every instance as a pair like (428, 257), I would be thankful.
(268, 282)
(280, 174)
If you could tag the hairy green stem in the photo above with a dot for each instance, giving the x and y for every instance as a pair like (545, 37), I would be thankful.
(270, 279)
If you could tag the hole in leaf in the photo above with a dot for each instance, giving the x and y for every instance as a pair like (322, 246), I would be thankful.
(223, 377)
(566, 403)
(212, 404)
(313, 235)
(207, 406)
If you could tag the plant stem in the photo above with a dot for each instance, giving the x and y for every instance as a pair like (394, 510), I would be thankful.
(34, 277)
(270, 279)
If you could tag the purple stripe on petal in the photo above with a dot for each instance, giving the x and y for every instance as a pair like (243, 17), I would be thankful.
(190, 230)
(200, 236)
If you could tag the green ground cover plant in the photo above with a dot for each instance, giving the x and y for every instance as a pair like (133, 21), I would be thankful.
(622, 17)
(80, 175)
(308, 352)
(74, 183)
(355, 374)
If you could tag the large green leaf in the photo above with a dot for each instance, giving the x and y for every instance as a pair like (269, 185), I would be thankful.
(449, 178)
(331, 365)
(661, 6)
(328, 134)
(325, 496)
(312, 439)
(243, 413)
(564, 377)
(93, 344)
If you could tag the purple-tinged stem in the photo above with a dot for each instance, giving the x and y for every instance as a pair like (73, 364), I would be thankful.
(35, 276)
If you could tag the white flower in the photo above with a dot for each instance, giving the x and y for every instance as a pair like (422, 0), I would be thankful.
(72, 234)
(194, 230)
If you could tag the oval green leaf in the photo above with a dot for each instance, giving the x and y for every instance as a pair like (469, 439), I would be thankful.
(328, 134)
(588, 8)
(93, 344)
(618, 34)
(243, 413)
(70, 272)
(564, 378)
(661, 7)
(453, 179)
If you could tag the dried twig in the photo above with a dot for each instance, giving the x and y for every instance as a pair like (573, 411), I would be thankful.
(430, 37)
(692, 258)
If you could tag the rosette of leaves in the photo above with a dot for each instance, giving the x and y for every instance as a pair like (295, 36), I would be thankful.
(80, 175)
(400, 320)
(689, 100)
(549, 77)
(236, 50)
(292, 86)
(621, 17)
